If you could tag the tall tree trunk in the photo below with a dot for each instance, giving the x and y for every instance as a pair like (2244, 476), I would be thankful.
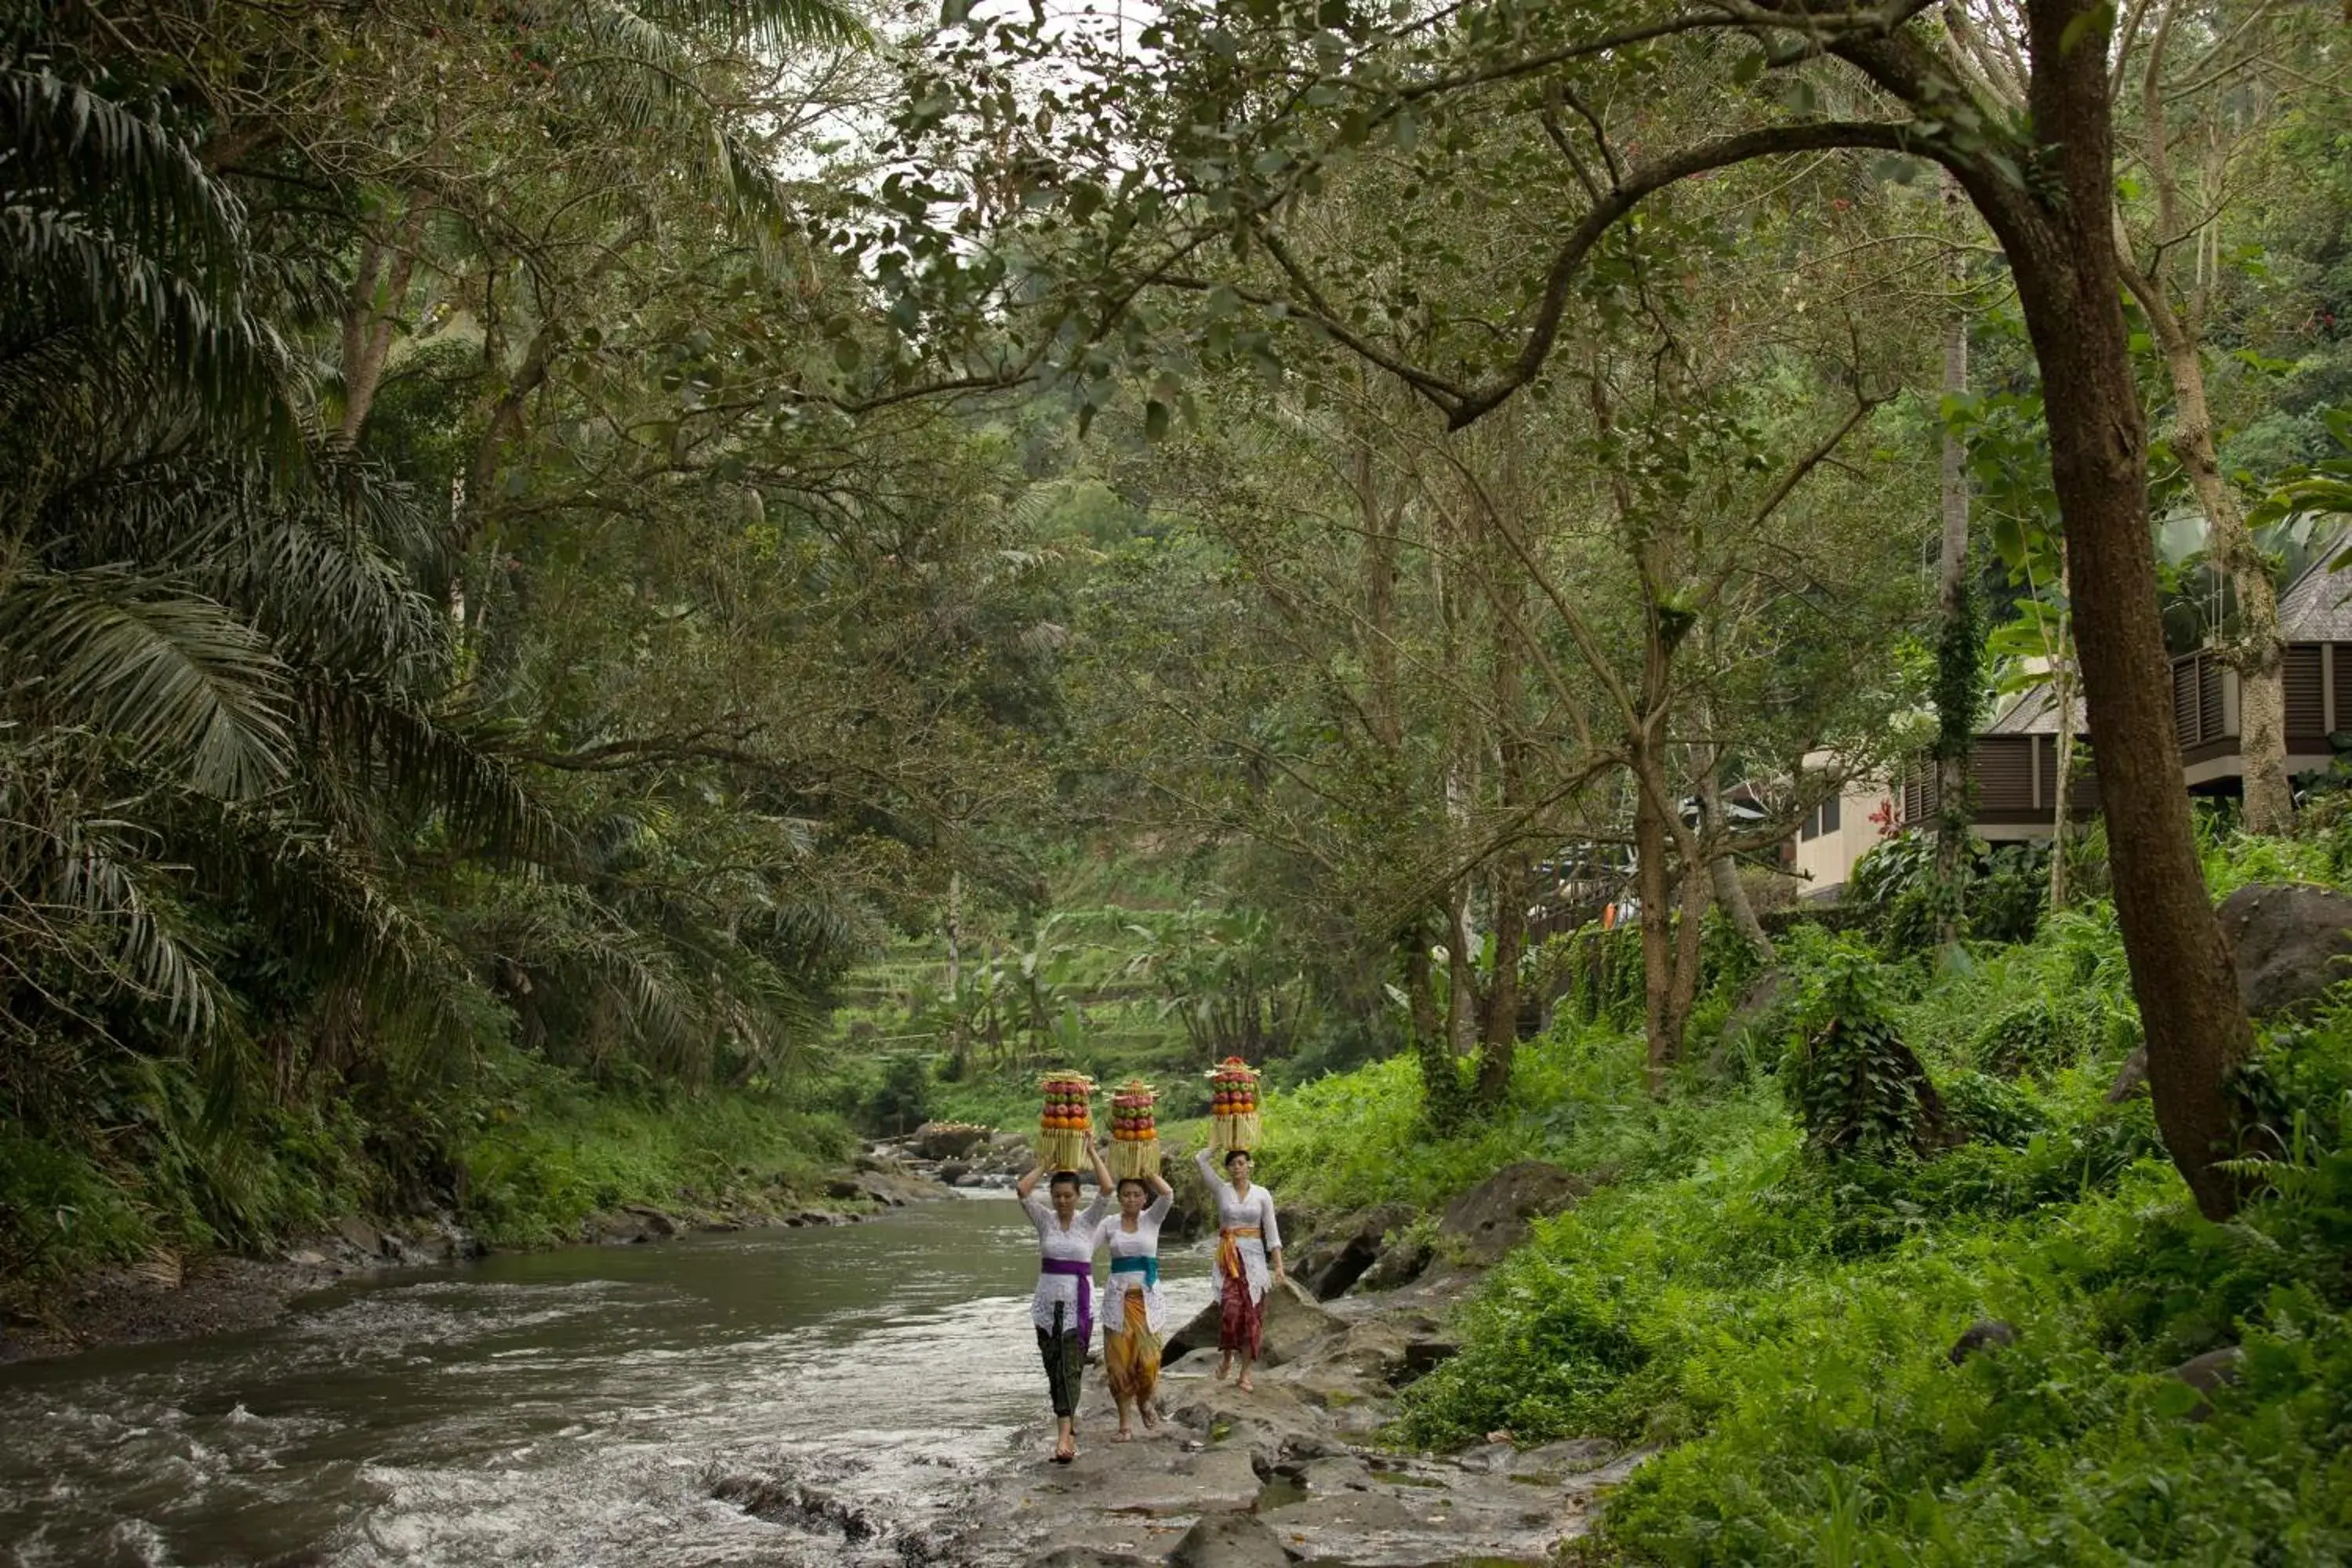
(1655, 884)
(2255, 651)
(1956, 686)
(1462, 1001)
(1498, 1048)
(2062, 790)
(1442, 1097)
(372, 315)
(1723, 874)
(1690, 924)
(2062, 249)
(958, 1033)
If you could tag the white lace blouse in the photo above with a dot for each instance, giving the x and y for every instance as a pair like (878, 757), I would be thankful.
(1075, 1244)
(1141, 1242)
(1233, 1210)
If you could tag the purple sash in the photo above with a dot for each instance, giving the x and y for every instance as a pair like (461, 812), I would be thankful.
(1082, 1270)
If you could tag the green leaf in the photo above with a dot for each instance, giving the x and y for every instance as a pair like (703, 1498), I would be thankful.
(2095, 18)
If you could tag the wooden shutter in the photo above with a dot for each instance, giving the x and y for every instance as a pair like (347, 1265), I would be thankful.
(2004, 775)
(2184, 701)
(2307, 708)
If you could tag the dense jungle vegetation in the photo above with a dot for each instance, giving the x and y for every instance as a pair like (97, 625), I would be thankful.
(600, 599)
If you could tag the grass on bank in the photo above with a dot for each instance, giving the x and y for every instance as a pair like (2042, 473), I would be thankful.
(522, 1156)
(1782, 1323)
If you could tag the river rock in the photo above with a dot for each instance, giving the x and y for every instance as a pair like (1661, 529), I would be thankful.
(1486, 1222)
(945, 1141)
(1984, 1334)
(2291, 942)
(1342, 1253)
(1401, 1261)
(360, 1236)
(2207, 1373)
(1270, 1425)
(1189, 1214)
(1425, 1514)
(1292, 1321)
(1229, 1540)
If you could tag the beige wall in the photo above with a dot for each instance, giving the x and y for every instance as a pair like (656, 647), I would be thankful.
(1826, 860)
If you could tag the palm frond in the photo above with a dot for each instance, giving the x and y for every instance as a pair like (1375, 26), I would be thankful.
(100, 881)
(188, 686)
(300, 559)
(774, 24)
(645, 65)
(113, 235)
(406, 753)
(82, 150)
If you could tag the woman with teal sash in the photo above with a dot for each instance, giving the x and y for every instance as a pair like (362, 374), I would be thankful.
(1133, 1318)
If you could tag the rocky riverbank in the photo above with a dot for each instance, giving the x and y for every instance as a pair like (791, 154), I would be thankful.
(170, 1297)
(1289, 1473)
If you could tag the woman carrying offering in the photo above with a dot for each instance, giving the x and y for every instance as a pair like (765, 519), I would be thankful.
(1063, 1308)
(1133, 1318)
(1249, 1255)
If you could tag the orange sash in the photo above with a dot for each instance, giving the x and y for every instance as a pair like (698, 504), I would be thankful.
(1229, 1249)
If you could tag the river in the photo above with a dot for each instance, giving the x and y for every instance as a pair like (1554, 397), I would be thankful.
(757, 1397)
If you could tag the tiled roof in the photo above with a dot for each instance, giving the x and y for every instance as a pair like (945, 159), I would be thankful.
(2314, 608)
(2034, 711)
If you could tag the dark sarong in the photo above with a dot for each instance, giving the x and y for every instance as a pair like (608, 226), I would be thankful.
(1064, 1353)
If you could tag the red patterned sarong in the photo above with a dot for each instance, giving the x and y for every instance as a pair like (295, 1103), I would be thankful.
(1240, 1315)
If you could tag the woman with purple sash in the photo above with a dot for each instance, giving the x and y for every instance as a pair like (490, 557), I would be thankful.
(1063, 1308)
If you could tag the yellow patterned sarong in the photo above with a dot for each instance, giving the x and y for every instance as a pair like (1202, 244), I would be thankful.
(1131, 1354)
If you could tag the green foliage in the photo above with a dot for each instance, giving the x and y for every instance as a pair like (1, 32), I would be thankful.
(1857, 1090)
(903, 1101)
(1785, 1321)
(2005, 890)
(1602, 973)
(59, 1212)
(545, 1151)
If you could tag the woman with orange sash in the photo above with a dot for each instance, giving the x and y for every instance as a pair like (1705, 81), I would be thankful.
(1249, 1259)
(1133, 1317)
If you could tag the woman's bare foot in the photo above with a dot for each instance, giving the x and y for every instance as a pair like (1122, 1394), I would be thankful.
(1122, 1436)
(1225, 1365)
(1066, 1449)
(1150, 1417)
(1244, 1384)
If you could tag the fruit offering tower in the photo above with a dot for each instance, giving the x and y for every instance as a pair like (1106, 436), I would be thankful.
(1065, 1131)
(1233, 1085)
(1134, 1136)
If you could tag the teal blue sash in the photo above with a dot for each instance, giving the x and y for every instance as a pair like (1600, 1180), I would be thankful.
(1147, 1267)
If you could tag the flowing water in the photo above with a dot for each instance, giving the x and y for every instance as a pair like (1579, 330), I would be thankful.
(781, 1397)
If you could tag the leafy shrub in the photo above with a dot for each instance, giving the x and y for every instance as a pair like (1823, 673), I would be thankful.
(903, 1100)
(1991, 1110)
(2010, 893)
(2039, 1035)
(1859, 1091)
(57, 1212)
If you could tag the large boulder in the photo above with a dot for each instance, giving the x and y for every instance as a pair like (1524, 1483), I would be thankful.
(1293, 1322)
(1490, 1219)
(1342, 1253)
(947, 1140)
(1230, 1541)
(1401, 1262)
(2291, 940)
(1192, 1215)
